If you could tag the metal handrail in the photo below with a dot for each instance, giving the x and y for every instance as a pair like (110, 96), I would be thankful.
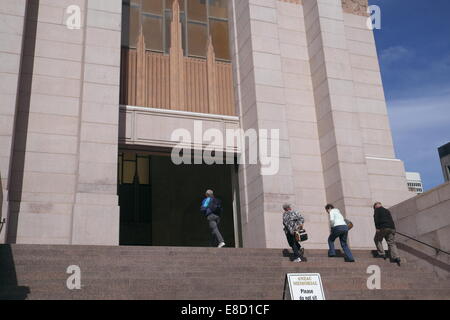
(425, 244)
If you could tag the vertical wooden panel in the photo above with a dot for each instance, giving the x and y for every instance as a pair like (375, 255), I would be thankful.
(156, 83)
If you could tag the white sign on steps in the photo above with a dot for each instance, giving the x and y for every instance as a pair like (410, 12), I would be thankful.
(303, 286)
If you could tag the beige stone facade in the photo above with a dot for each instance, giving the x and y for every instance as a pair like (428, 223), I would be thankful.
(308, 68)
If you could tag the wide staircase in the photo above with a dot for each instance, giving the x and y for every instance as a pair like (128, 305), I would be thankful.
(40, 272)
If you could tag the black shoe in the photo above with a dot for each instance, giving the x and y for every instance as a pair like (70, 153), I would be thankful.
(398, 261)
(381, 257)
(330, 256)
(348, 260)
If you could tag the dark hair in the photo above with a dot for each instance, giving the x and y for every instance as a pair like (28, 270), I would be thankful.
(375, 204)
(329, 207)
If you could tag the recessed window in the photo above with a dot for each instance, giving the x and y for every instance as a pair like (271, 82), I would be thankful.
(197, 39)
(219, 34)
(196, 10)
(152, 27)
(218, 8)
(198, 18)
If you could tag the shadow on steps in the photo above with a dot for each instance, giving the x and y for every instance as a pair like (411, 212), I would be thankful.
(9, 288)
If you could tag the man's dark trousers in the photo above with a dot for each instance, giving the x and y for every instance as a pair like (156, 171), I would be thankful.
(293, 244)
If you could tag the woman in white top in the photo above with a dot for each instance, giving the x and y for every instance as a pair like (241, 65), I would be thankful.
(339, 229)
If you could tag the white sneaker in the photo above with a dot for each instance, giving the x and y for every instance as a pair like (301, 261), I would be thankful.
(221, 245)
(297, 260)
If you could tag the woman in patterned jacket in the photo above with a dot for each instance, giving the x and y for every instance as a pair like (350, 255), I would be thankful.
(292, 222)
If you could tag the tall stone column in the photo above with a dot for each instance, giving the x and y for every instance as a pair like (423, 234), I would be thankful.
(341, 143)
(96, 214)
(64, 167)
(12, 19)
(261, 100)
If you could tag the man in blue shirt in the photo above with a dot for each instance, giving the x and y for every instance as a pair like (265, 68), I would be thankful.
(212, 208)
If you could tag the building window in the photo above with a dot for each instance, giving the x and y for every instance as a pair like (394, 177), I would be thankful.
(199, 19)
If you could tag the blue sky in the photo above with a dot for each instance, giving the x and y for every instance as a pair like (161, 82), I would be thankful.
(414, 51)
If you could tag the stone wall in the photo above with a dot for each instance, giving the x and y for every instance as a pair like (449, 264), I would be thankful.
(310, 69)
(12, 18)
(64, 162)
(426, 217)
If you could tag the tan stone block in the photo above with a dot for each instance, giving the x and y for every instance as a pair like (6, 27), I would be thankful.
(306, 163)
(97, 173)
(295, 96)
(114, 6)
(98, 152)
(263, 28)
(374, 136)
(102, 74)
(49, 124)
(56, 105)
(43, 228)
(434, 218)
(50, 163)
(105, 20)
(278, 184)
(265, 44)
(301, 113)
(7, 104)
(297, 81)
(10, 43)
(293, 37)
(48, 182)
(364, 62)
(39, 142)
(56, 86)
(444, 192)
(305, 146)
(58, 50)
(109, 56)
(404, 209)
(267, 60)
(295, 66)
(362, 48)
(309, 180)
(382, 151)
(291, 23)
(103, 38)
(262, 13)
(305, 130)
(97, 225)
(11, 24)
(13, 7)
(289, 9)
(97, 93)
(356, 189)
(55, 32)
(427, 200)
(385, 167)
(102, 133)
(270, 94)
(8, 83)
(268, 77)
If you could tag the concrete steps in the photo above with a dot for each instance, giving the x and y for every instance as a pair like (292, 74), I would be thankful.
(39, 272)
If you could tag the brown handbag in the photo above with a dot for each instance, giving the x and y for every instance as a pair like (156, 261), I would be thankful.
(349, 224)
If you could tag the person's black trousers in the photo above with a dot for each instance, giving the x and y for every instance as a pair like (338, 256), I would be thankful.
(293, 244)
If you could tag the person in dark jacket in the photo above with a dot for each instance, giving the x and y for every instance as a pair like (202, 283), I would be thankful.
(211, 207)
(385, 230)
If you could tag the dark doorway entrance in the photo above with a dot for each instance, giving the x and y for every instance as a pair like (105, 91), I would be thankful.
(160, 201)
